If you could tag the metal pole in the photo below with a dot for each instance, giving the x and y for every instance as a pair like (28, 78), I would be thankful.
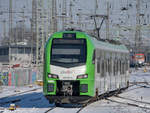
(70, 13)
(64, 13)
(107, 21)
(54, 16)
(37, 39)
(10, 30)
(4, 27)
(137, 33)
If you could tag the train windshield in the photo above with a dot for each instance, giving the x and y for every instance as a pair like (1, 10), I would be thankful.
(68, 51)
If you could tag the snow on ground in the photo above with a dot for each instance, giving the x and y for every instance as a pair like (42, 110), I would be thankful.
(135, 93)
(35, 102)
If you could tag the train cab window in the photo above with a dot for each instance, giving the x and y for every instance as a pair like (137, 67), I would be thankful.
(68, 52)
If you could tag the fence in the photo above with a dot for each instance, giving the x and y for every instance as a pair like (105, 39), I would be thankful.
(18, 77)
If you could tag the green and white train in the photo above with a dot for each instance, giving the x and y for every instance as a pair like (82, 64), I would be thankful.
(78, 67)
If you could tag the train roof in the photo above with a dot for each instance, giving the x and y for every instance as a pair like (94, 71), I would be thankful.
(110, 45)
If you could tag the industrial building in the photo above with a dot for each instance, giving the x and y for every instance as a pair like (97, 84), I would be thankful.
(22, 55)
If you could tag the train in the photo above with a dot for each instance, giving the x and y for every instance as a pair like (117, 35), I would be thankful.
(78, 67)
(137, 60)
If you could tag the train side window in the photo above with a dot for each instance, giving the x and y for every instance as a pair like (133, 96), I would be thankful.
(105, 67)
(98, 65)
(102, 68)
(93, 58)
(117, 70)
(114, 66)
(109, 66)
(123, 67)
(120, 67)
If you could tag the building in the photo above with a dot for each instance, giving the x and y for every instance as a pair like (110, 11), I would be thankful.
(20, 55)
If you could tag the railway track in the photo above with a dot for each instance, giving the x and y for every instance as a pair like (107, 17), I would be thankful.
(139, 105)
(107, 96)
(138, 84)
(49, 110)
(92, 100)
(146, 105)
(100, 97)
(132, 102)
(141, 84)
(143, 102)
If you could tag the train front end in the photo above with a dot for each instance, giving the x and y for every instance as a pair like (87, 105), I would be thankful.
(68, 68)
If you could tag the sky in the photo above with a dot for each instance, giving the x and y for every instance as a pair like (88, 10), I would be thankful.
(86, 7)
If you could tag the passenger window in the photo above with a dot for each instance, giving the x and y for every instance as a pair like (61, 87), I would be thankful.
(98, 65)
(102, 68)
(93, 58)
(109, 66)
(106, 66)
(115, 67)
(120, 67)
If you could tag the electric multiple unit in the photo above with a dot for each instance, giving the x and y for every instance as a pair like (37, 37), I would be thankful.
(78, 67)
(139, 59)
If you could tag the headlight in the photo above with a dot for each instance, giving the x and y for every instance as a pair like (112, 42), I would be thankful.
(140, 62)
(82, 76)
(52, 76)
